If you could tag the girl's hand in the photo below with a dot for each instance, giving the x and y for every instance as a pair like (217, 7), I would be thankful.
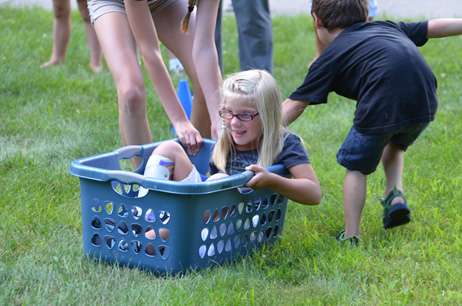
(189, 137)
(261, 179)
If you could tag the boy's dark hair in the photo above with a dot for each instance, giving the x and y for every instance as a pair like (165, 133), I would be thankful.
(340, 13)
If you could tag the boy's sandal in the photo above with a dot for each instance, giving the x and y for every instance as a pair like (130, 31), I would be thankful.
(353, 240)
(395, 215)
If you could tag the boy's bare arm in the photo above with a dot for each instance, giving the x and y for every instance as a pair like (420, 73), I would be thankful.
(291, 110)
(444, 27)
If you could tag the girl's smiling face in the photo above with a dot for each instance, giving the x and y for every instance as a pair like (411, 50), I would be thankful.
(246, 134)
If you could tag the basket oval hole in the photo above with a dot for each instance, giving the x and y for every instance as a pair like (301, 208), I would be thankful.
(207, 215)
(230, 228)
(110, 241)
(224, 212)
(96, 240)
(249, 207)
(136, 212)
(150, 250)
(110, 224)
(268, 232)
(164, 251)
(240, 207)
(247, 224)
(202, 251)
(164, 216)
(238, 225)
(96, 223)
(136, 246)
(136, 229)
(214, 233)
(232, 212)
(222, 230)
(263, 219)
(228, 245)
(109, 207)
(150, 233)
(123, 245)
(122, 211)
(164, 234)
(150, 216)
(253, 237)
(261, 237)
(237, 242)
(122, 228)
(255, 220)
(245, 240)
(216, 216)
(96, 205)
(211, 251)
(271, 216)
(274, 198)
(204, 233)
(220, 246)
(278, 215)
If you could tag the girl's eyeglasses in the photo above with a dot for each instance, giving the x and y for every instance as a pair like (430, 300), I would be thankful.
(225, 114)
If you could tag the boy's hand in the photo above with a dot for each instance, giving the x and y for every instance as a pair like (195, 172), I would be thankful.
(261, 179)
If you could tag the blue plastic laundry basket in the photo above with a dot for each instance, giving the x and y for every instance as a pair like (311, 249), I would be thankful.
(190, 226)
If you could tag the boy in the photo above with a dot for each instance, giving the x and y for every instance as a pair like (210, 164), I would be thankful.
(378, 65)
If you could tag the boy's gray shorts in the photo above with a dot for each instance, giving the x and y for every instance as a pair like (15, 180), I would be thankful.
(98, 8)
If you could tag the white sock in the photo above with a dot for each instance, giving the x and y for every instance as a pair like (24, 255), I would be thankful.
(158, 167)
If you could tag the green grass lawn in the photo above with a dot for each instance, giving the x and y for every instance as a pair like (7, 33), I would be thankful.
(51, 117)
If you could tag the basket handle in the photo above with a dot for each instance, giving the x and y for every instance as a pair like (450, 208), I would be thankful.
(125, 177)
(128, 151)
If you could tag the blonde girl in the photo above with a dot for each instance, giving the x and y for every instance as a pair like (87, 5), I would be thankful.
(252, 139)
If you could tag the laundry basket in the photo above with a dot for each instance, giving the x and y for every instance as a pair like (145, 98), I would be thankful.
(175, 226)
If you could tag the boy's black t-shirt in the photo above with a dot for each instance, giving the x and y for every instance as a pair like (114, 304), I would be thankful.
(293, 153)
(379, 65)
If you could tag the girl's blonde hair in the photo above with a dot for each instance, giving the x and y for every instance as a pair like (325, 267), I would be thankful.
(185, 20)
(255, 88)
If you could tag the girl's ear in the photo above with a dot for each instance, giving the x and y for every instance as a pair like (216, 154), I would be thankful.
(317, 21)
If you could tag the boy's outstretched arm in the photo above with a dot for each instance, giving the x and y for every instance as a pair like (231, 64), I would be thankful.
(291, 110)
(444, 27)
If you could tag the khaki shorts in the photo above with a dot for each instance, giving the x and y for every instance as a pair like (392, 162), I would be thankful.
(98, 8)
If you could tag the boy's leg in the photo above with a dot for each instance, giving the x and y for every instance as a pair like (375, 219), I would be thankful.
(393, 163)
(354, 197)
(360, 154)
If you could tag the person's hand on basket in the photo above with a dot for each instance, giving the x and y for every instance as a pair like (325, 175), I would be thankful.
(189, 137)
(261, 179)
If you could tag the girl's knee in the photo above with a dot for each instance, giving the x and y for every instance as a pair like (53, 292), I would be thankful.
(132, 101)
(62, 9)
(170, 149)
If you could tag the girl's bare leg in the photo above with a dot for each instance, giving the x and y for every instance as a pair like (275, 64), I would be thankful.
(120, 52)
(96, 63)
(61, 32)
(167, 25)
